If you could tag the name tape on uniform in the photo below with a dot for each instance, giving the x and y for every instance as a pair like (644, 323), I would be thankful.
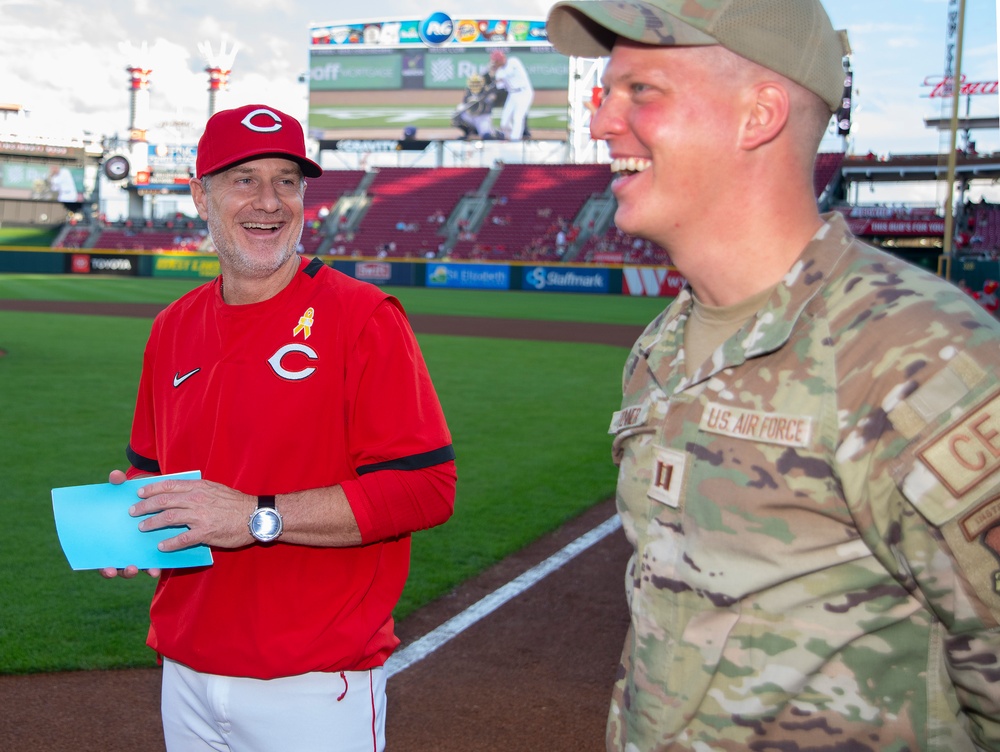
(630, 417)
(757, 425)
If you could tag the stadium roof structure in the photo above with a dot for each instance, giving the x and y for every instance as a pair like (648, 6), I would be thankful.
(964, 124)
(919, 167)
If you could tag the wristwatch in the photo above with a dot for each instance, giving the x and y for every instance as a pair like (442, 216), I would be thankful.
(265, 523)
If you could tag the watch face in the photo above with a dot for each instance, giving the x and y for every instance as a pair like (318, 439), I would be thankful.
(265, 525)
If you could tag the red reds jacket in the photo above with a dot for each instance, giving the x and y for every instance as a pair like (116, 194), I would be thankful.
(323, 384)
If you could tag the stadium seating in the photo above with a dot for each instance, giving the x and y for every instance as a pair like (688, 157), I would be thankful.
(327, 189)
(983, 228)
(412, 198)
(826, 170)
(142, 239)
(618, 247)
(530, 203)
(75, 238)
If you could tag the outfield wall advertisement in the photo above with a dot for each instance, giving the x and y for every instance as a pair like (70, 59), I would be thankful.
(383, 79)
(98, 263)
(602, 280)
(381, 272)
(562, 279)
(651, 281)
(178, 265)
(468, 276)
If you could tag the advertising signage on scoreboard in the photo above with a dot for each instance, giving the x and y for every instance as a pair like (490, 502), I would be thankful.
(171, 167)
(415, 78)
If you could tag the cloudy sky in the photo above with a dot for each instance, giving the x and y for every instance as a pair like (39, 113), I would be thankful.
(64, 60)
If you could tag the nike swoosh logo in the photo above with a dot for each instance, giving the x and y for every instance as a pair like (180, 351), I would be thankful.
(178, 379)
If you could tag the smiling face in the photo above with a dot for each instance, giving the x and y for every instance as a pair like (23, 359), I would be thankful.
(670, 116)
(254, 212)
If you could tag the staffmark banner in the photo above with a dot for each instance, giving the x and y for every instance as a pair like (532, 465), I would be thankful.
(561, 279)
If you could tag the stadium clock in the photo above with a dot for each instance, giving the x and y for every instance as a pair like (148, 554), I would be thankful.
(117, 168)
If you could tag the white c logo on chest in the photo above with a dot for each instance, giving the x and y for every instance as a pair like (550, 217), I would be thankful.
(276, 362)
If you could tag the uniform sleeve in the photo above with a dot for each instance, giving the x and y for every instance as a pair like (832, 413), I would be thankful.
(946, 484)
(399, 441)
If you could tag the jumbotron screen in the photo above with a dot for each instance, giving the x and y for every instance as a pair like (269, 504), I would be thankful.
(389, 79)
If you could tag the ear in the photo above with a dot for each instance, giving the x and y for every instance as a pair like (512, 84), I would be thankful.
(770, 106)
(199, 198)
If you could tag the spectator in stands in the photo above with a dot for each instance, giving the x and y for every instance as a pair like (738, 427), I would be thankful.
(989, 298)
(809, 463)
(560, 242)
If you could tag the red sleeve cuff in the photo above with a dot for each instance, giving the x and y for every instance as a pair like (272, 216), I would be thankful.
(392, 503)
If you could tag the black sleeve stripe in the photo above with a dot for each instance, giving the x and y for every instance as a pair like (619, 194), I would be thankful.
(413, 462)
(313, 267)
(139, 462)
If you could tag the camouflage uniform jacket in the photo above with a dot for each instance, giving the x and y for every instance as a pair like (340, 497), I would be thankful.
(811, 517)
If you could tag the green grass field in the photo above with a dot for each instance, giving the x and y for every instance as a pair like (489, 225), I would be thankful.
(529, 421)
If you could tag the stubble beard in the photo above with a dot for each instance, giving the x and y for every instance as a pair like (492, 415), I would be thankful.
(246, 264)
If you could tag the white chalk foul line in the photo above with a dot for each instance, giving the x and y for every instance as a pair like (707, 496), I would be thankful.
(423, 647)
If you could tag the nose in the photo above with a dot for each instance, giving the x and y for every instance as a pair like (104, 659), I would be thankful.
(606, 121)
(266, 198)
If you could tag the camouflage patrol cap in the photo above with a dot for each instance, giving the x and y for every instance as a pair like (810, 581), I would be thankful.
(792, 37)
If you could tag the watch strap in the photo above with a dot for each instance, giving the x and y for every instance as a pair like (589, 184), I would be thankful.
(265, 501)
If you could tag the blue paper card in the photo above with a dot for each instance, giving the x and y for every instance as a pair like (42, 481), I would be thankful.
(96, 531)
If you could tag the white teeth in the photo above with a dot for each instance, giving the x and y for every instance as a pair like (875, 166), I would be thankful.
(259, 226)
(629, 164)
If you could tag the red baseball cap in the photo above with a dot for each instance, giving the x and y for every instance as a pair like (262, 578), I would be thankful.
(253, 130)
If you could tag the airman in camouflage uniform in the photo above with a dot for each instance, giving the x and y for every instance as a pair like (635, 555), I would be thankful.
(815, 509)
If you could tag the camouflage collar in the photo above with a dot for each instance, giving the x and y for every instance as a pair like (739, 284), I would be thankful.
(768, 330)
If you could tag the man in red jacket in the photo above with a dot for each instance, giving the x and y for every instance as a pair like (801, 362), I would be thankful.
(302, 397)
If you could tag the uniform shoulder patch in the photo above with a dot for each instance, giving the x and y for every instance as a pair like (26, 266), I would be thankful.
(966, 452)
(982, 519)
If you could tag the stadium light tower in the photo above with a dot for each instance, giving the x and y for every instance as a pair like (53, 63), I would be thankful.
(220, 65)
(139, 72)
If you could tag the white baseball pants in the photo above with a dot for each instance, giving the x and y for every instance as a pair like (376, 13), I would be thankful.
(317, 712)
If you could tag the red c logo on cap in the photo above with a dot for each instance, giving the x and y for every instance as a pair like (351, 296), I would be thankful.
(275, 126)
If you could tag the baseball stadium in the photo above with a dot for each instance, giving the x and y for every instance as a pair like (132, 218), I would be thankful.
(490, 216)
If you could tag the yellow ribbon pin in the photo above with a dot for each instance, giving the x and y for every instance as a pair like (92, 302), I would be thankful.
(306, 322)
